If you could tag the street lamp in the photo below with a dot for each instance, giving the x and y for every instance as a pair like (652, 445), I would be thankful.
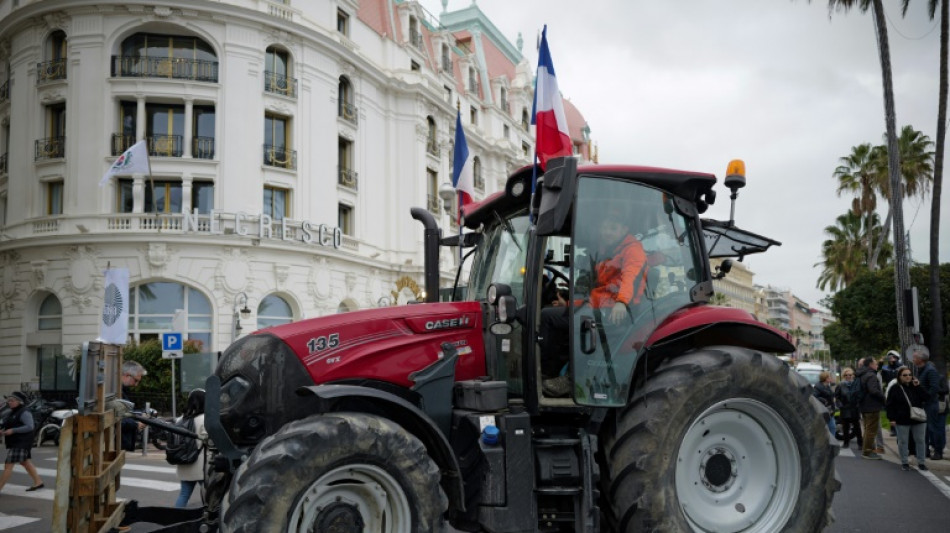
(244, 312)
(447, 194)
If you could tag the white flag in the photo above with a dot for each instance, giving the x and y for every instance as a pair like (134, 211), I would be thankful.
(132, 161)
(114, 323)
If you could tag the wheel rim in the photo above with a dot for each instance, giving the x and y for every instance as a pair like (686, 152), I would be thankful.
(738, 467)
(353, 498)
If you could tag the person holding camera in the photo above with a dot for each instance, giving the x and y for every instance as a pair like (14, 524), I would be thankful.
(18, 430)
(907, 393)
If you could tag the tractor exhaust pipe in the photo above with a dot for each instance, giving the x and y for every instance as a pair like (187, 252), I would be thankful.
(431, 252)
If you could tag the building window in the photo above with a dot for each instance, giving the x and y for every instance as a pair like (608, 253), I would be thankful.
(432, 143)
(202, 197)
(164, 129)
(503, 100)
(152, 308)
(473, 116)
(525, 149)
(164, 196)
(347, 110)
(506, 132)
(50, 315)
(345, 219)
(524, 118)
(276, 142)
(180, 57)
(446, 59)
(415, 36)
(54, 145)
(53, 368)
(413, 66)
(54, 68)
(276, 202)
(273, 311)
(347, 176)
(54, 198)
(432, 190)
(342, 22)
(448, 93)
(3, 208)
(477, 173)
(202, 140)
(277, 77)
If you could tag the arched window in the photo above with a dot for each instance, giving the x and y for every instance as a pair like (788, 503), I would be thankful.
(52, 367)
(54, 66)
(277, 77)
(153, 306)
(273, 311)
(152, 55)
(524, 118)
(431, 140)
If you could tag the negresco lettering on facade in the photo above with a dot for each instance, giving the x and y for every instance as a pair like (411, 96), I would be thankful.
(219, 223)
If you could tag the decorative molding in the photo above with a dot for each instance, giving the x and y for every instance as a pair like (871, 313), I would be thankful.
(84, 277)
(159, 255)
(163, 11)
(281, 273)
(320, 281)
(233, 274)
(39, 269)
(56, 20)
(279, 108)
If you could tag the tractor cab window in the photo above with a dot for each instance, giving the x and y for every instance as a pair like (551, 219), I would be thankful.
(635, 259)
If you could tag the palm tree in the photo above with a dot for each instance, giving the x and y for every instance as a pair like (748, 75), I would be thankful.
(916, 172)
(936, 313)
(844, 253)
(901, 275)
(857, 174)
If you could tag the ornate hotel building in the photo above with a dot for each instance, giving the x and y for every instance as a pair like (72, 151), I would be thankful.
(287, 141)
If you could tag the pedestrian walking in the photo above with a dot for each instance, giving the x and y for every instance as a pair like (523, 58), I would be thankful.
(18, 430)
(901, 398)
(190, 475)
(872, 402)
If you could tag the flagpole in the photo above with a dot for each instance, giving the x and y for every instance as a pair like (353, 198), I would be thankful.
(151, 180)
(458, 198)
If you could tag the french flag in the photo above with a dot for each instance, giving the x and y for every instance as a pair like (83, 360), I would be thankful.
(463, 177)
(552, 139)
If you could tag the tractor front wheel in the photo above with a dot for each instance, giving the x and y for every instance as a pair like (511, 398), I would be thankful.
(720, 439)
(340, 473)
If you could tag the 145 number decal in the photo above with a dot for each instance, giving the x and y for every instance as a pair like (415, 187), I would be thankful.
(318, 344)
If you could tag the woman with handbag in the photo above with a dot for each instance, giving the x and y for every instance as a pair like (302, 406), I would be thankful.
(847, 398)
(905, 402)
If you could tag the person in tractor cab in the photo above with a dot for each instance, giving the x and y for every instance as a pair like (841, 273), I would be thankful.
(619, 268)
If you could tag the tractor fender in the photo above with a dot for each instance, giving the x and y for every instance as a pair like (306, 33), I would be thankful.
(708, 325)
(357, 398)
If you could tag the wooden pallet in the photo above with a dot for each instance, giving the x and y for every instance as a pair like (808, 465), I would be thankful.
(90, 456)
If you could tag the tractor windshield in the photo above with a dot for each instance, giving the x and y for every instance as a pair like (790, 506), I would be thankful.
(635, 259)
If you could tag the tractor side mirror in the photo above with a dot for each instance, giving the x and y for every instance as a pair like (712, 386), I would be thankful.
(723, 269)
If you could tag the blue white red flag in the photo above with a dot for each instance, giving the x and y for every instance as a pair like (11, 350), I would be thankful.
(463, 177)
(551, 136)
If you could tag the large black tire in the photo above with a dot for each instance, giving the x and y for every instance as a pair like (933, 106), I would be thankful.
(719, 439)
(338, 473)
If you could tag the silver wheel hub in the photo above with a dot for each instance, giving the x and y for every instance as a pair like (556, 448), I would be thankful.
(738, 469)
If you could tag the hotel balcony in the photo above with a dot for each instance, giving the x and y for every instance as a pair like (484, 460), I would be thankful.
(348, 178)
(280, 84)
(280, 156)
(202, 147)
(164, 67)
(48, 71)
(50, 148)
(164, 145)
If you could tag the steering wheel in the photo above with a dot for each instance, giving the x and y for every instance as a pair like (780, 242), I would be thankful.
(550, 286)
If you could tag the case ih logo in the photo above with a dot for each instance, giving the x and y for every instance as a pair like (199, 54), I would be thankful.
(448, 323)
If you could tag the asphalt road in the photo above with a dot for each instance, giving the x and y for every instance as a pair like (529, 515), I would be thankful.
(875, 495)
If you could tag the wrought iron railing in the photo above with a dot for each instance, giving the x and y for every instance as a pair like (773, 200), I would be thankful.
(164, 145)
(52, 70)
(202, 147)
(5, 92)
(121, 143)
(164, 67)
(348, 178)
(280, 156)
(50, 148)
(280, 84)
(348, 112)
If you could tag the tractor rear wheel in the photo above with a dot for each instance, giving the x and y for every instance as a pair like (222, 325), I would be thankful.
(720, 439)
(339, 473)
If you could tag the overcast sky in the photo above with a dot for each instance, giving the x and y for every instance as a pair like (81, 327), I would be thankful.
(691, 84)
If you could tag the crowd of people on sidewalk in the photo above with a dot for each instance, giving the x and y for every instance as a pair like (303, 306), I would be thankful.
(913, 397)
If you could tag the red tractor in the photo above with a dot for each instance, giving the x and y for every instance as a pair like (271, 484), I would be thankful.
(671, 415)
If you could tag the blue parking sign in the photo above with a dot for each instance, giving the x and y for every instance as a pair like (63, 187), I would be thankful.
(171, 341)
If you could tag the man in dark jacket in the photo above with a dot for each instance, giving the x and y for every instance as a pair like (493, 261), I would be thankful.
(930, 382)
(18, 429)
(871, 405)
(889, 373)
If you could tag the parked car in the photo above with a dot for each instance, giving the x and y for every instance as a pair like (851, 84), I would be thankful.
(810, 371)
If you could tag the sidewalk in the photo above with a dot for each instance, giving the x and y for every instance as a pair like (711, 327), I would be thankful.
(941, 467)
